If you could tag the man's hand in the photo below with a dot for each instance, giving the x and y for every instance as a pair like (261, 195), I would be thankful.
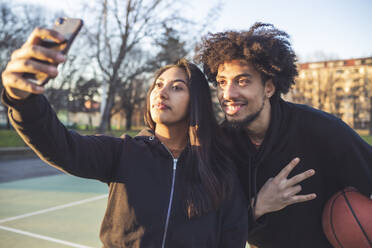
(23, 61)
(279, 192)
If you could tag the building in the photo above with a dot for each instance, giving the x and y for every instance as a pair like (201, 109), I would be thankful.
(340, 87)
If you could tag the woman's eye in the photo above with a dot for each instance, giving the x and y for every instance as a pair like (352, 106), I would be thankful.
(158, 84)
(176, 88)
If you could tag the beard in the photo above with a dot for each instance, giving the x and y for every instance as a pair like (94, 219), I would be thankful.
(240, 124)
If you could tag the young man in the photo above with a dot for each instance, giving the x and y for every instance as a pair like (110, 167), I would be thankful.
(251, 70)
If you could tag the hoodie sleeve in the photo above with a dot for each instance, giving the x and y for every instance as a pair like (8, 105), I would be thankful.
(85, 156)
(350, 160)
(256, 227)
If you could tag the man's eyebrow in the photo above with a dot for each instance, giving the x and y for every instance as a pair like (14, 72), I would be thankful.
(244, 75)
(237, 76)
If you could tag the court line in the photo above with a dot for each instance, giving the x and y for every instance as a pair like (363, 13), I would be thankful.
(38, 236)
(54, 208)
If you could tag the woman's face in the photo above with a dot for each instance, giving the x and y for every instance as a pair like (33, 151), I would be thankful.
(169, 99)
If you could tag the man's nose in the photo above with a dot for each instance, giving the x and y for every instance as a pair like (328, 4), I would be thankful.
(230, 91)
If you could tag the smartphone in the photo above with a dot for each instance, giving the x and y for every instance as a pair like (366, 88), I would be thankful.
(69, 28)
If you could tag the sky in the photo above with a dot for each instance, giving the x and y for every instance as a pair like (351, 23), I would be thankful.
(319, 29)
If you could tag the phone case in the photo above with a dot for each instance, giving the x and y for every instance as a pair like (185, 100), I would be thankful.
(69, 28)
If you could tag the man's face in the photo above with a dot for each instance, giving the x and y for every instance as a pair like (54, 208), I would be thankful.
(241, 92)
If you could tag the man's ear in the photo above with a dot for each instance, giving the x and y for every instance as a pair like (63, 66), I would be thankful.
(269, 88)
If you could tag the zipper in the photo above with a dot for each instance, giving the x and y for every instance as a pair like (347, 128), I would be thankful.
(170, 197)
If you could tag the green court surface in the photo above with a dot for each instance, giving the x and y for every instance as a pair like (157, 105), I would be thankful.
(53, 211)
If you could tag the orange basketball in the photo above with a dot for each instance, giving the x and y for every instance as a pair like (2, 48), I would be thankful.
(347, 219)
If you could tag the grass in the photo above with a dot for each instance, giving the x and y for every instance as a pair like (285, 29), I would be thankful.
(367, 138)
(10, 138)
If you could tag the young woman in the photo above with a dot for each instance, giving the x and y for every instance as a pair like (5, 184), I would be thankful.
(170, 186)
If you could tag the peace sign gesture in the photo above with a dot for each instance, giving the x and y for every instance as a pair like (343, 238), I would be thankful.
(279, 192)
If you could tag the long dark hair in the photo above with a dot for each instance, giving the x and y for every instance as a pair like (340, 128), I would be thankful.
(208, 174)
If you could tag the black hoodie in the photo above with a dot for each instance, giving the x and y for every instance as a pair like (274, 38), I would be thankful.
(323, 142)
(146, 204)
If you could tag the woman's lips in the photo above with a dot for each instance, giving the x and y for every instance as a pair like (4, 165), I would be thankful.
(161, 106)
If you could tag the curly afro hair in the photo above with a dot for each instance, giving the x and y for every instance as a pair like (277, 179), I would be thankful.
(265, 47)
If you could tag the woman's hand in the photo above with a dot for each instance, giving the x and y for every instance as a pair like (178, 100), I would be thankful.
(23, 61)
(279, 192)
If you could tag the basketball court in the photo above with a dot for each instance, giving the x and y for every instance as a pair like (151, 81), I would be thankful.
(51, 210)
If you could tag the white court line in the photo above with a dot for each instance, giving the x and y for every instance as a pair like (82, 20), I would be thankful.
(54, 208)
(43, 237)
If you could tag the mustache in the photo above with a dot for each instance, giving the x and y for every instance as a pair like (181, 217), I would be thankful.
(238, 101)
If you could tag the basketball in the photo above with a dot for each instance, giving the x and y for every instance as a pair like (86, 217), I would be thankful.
(347, 219)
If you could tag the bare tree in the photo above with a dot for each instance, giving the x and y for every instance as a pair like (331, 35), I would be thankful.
(132, 85)
(73, 75)
(132, 96)
(172, 48)
(122, 26)
(58, 89)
